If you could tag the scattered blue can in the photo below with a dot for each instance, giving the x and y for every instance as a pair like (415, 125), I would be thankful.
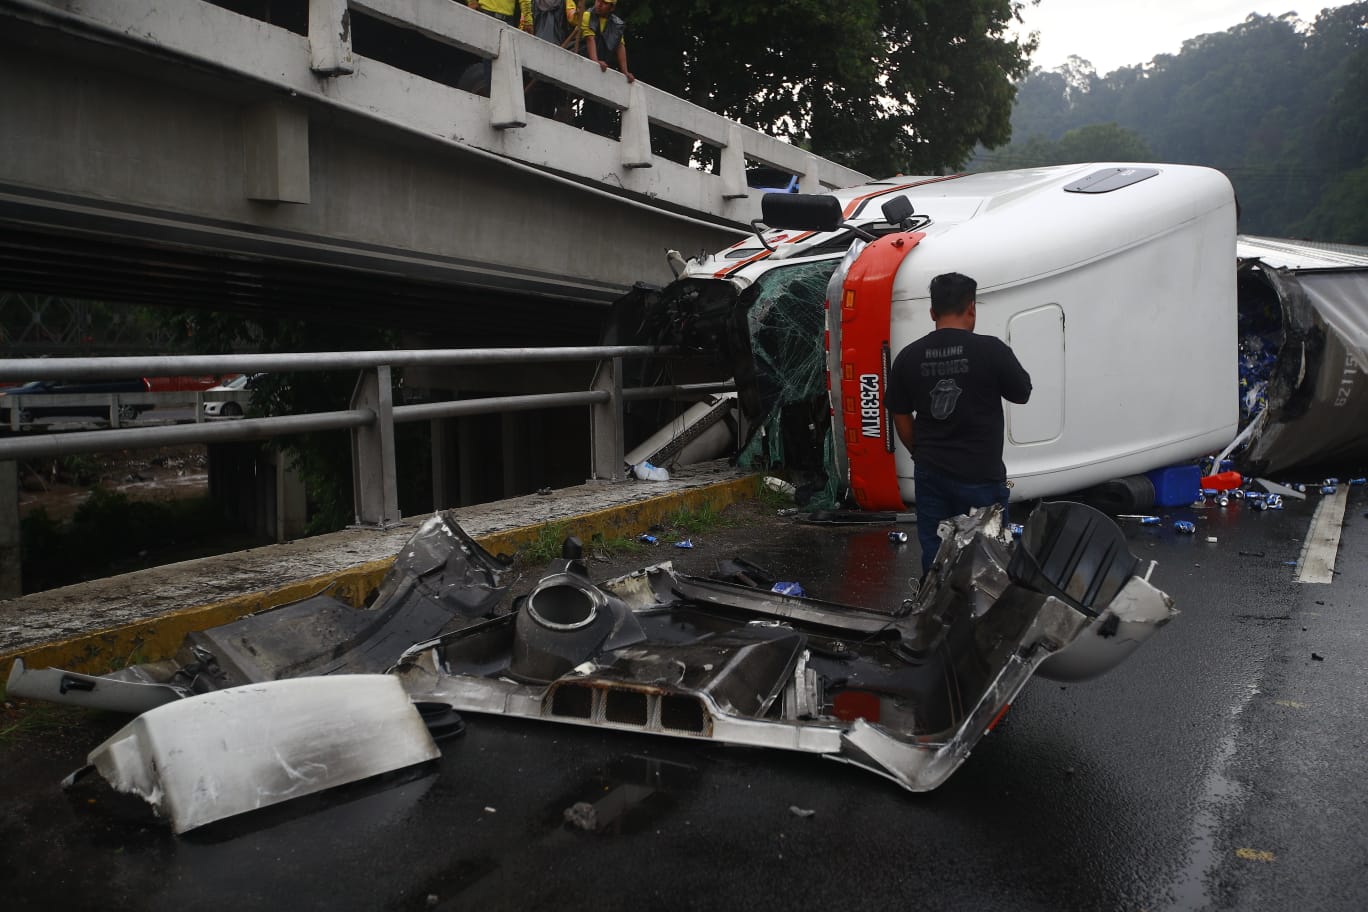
(1274, 502)
(1330, 482)
(1149, 520)
(1016, 529)
(795, 589)
(1185, 527)
(1358, 481)
(1259, 504)
(897, 538)
(1328, 489)
(648, 539)
(686, 543)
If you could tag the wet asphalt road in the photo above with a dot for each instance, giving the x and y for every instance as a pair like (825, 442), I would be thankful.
(1220, 767)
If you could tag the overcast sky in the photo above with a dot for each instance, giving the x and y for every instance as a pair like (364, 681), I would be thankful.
(1113, 34)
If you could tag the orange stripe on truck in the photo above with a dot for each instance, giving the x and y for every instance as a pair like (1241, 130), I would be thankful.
(866, 309)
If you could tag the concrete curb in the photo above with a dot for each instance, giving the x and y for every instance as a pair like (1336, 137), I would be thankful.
(155, 638)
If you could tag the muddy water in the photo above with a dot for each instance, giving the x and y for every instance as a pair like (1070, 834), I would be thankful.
(60, 486)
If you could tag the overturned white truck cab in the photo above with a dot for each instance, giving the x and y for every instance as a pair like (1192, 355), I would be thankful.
(1114, 283)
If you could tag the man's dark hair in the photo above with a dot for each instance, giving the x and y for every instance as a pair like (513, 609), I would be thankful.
(952, 293)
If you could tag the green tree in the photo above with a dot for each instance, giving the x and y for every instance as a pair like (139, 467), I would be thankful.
(1101, 142)
(1273, 102)
(1341, 215)
(899, 85)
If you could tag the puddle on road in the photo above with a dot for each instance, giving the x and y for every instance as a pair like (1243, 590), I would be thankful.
(1218, 799)
(631, 794)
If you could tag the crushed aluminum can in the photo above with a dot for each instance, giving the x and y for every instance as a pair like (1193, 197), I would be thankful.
(1016, 529)
(897, 538)
(1274, 502)
(1259, 504)
(794, 589)
(1185, 527)
(1149, 520)
(686, 543)
(646, 538)
(1330, 482)
(1328, 489)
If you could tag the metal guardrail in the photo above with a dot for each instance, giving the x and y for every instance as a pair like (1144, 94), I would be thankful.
(372, 413)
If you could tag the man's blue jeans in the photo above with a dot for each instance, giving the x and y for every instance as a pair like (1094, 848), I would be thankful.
(941, 497)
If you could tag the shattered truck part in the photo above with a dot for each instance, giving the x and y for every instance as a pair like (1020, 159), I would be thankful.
(133, 690)
(903, 690)
(1303, 339)
(440, 577)
(246, 748)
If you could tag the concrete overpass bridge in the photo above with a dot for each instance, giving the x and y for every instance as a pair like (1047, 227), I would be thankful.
(249, 155)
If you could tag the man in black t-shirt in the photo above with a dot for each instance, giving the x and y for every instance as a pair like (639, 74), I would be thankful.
(945, 392)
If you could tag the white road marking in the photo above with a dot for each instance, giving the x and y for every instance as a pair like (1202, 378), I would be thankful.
(1317, 561)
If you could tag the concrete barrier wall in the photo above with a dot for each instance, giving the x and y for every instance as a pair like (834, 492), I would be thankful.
(102, 625)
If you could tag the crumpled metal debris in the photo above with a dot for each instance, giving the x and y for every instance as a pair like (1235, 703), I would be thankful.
(201, 760)
(906, 695)
(442, 576)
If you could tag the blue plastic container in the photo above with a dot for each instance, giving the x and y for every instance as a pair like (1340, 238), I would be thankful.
(1175, 486)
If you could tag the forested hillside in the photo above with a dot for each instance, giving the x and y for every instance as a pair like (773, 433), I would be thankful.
(1277, 103)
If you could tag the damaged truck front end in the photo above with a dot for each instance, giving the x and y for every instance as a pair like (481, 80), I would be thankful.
(905, 691)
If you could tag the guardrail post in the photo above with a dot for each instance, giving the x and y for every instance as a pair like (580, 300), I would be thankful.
(11, 569)
(810, 180)
(607, 448)
(16, 409)
(507, 104)
(375, 490)
(733, 165)
(635, 136)
(114, 409)
(330, 51)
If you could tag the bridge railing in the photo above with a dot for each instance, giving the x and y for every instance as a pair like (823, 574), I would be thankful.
(322, 68)
(371, 414)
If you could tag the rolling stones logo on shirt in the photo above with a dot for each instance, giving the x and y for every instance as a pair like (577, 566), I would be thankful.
(944, 396)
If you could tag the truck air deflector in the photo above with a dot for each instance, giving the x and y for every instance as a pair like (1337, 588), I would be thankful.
(1109, 179)
(866, 306)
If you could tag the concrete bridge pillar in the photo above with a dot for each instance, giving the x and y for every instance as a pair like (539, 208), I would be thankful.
(330, 52)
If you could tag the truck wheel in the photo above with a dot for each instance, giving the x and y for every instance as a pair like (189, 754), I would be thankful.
(25, 416)
(231, 410)
(129, 412)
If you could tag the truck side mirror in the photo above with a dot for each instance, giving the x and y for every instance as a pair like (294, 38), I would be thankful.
(801, 211)
(897, 210)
